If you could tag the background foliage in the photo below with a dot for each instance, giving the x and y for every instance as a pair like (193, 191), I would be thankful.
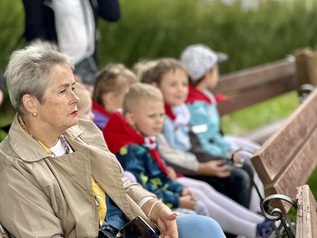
(157, 28)
(165, 28)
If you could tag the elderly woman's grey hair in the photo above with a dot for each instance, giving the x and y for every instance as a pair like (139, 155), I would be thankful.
(29, 72)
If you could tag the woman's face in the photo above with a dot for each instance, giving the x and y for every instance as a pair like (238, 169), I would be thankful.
(174, 87)
(59, 109)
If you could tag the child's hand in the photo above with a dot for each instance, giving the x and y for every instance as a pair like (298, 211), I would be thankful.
(171, 173)
(188, 192)
(187, 202)
(236, 158)
(214, 168)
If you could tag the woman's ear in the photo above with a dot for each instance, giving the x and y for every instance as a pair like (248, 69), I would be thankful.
(29, 103)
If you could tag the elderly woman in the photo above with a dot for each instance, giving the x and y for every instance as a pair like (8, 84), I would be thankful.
(57, 176)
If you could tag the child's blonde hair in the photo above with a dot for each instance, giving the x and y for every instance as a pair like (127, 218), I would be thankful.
(155, 73)
(141, 67)
(112, 78)
(140, 92)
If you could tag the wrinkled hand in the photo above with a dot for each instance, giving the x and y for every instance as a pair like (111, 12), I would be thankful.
(214, 168)
(166, 221)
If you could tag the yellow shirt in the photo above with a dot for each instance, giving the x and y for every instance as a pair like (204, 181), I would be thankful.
(100, 197)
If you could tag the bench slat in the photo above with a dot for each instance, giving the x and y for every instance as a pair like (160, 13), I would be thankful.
(287, 141)
(257, 84)
(251, 77)
(257, 95)
(296, 173)
(306, 220)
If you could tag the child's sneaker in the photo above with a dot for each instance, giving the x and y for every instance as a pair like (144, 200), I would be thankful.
(264, 229)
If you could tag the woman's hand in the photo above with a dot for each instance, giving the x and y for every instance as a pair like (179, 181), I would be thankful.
(164, 218)
(166, 221)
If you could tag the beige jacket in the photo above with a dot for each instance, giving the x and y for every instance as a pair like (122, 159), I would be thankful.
(52, 197)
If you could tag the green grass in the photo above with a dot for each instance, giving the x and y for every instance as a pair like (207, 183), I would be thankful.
(241, 122)
(250, 38)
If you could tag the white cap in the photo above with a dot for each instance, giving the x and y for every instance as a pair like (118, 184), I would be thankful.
(199, 59)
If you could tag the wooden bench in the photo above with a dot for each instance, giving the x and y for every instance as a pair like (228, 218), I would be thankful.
(285, 162)
(254, 85)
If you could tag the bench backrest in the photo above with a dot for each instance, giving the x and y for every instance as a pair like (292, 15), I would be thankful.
(256, 84)
(287, 159)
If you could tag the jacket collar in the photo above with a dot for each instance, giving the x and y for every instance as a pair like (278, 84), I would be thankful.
(25, 146)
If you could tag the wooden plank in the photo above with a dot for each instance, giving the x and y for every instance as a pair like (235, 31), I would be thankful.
(277, 152)
(296, 173)
(262, 74)
(306, 219)
(256, 95)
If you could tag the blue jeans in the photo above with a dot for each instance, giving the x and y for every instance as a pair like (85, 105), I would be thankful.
(194, 226)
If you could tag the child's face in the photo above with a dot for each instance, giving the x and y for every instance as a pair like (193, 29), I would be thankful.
(174, 87)
(212, 77)
(148, 118)
(114, 100)
(118, 97)
(84, 111)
